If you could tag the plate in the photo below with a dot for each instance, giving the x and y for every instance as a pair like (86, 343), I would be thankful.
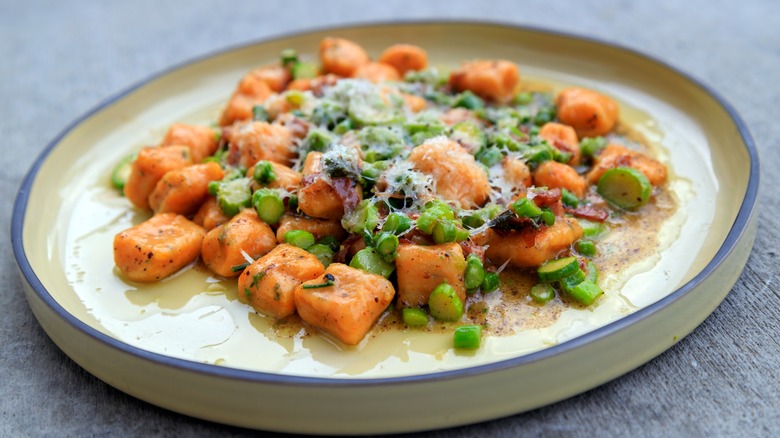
(201, 354)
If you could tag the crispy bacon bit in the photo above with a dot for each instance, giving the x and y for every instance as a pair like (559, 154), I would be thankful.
(470, 247)
(588, 212)
(310, 178)
(583, 262)
(416, 237)
(545, 198)
(347, 191)
(346, 247)
(509, 221)
(548, 198)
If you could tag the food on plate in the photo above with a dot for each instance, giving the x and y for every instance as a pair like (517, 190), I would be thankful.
(268, 284)
(348, 189)
(344, 301)
(158, 247)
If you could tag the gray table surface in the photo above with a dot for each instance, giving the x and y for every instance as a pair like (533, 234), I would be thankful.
(58, 59)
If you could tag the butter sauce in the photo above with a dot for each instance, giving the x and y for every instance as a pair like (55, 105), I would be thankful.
(196, 316)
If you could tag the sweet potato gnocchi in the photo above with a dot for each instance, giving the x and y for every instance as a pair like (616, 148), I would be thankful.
(345, 188)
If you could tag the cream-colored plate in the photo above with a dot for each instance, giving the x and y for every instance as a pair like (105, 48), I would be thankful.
(187, 345)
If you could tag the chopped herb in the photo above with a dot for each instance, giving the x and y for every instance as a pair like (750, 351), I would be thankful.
(329, 281)
(239, 268)
(256, 279)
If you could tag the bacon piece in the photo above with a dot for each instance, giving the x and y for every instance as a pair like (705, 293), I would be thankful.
(346, 247)
(548, 198)
(588, 212)
(470, 247)
(347, 191)
(545, 198)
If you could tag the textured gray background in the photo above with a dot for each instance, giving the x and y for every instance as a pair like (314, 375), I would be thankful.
(58, 59)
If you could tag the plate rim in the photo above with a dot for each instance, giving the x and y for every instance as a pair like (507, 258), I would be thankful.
(738, 228)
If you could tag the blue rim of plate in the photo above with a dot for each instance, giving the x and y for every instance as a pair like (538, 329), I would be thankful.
(746, 210)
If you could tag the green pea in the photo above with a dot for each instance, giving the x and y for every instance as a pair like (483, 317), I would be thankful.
(444, 303)
(386, 245)
(264, 173)
(475, 272)
(369, 260)
(467, 337)
(397, 223)
(269, 206)
(490, 282)
(300, 238)
(414, 317)
(323, 253)
(525, 207)
(542, 293)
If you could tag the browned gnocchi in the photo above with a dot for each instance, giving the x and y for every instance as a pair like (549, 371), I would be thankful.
(365, 182)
